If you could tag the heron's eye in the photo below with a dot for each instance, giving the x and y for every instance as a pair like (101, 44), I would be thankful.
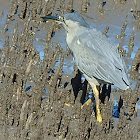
(63, 18)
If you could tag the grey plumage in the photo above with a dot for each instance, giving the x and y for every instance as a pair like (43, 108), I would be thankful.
(95, 55)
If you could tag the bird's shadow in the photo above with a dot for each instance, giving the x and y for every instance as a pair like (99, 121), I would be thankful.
(105, 92)
(77, 85)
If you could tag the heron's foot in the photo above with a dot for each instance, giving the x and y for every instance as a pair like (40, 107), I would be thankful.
(67, 104)
(99, 117)
(86, 103)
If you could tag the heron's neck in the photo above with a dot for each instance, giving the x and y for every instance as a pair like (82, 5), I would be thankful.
(72, 33)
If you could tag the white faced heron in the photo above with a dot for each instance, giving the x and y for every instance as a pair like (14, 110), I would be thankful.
(94, 54)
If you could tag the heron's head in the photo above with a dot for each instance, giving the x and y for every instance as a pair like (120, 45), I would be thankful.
(70, 21)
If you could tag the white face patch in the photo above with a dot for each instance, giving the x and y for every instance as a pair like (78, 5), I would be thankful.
(60, 20)
(59, 17)
(78, 42)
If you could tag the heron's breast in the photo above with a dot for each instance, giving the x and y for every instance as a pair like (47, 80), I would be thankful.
(69, 40)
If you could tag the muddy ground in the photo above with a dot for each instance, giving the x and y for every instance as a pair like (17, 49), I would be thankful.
(41, 90)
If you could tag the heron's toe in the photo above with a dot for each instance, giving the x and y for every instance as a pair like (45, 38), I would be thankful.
(69, 105)
(99, 118)
(86, 103)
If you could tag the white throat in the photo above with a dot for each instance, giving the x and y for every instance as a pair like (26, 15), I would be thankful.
(72, 29)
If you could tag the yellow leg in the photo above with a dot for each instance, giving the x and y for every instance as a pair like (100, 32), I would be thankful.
(69, 105)
(96, 95)
(86, 103)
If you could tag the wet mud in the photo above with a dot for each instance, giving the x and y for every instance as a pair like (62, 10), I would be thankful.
(41, 90)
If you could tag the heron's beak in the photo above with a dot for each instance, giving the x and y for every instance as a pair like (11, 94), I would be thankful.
(51, 18)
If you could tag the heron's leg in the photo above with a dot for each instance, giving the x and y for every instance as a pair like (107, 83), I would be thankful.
(87, 102)
(96, 95)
